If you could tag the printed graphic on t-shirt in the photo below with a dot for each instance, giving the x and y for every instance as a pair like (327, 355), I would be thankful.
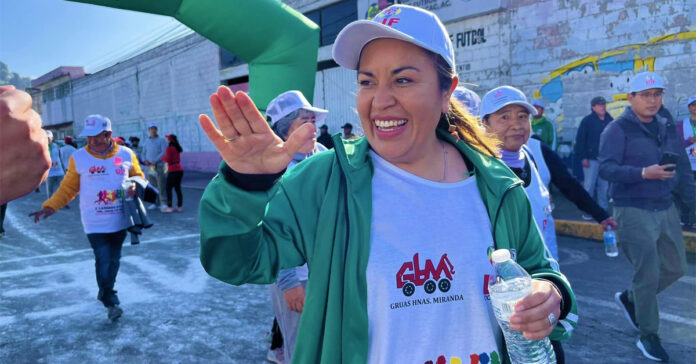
(109, 202)
(97, 171)
(481, 358)
(411, 275)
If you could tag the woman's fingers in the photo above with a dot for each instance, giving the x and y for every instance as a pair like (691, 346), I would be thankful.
(252, 114)
(300, 137)
(212, 132)
(221, 117)
(239, 121)
(532, 313)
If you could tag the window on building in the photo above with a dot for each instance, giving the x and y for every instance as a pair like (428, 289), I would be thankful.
(62, 90)
(48, 95)
(333, 18)
(228, 59)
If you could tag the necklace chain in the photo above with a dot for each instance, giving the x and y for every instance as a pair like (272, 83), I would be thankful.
(444, 153)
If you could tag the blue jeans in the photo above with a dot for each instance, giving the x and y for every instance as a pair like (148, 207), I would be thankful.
(107, 257)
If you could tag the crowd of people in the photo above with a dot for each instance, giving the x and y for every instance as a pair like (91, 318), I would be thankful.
(329, 221)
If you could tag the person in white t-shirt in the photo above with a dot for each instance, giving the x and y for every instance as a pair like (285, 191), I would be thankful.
(396, 226)
(97, 173)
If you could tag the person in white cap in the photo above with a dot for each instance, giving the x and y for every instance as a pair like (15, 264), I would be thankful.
(97, 172)
(376, 215)
(469, 99)
(287, 112)
(153, 149)
(642, 156)
(56, 173)
(542, 128)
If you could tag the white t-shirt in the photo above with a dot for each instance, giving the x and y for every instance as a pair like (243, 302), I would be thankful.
(428, 237)
(101, 194)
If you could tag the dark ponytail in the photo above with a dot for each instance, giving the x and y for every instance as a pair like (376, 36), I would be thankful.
(458, 121)
(174, 142)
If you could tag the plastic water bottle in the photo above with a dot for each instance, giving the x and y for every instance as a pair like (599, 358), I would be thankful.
(610, 248)
(511, 284)
(125, 186)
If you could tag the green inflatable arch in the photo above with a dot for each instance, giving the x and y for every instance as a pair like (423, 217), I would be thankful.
(278, 42)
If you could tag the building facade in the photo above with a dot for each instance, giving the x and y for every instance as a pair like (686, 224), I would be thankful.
(563, 52)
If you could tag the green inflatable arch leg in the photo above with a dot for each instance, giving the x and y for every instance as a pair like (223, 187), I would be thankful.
(278, 42)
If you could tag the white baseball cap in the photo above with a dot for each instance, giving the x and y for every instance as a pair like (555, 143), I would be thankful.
(538, 102)
(470, 99)
(49, 134)
(289, 101)
(152, 125)
(691, 100)
(502, 96)
(95, 124)
(403, 22)
(645, 81)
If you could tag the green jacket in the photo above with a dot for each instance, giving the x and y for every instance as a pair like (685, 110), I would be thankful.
(544, 130)
(320, 213)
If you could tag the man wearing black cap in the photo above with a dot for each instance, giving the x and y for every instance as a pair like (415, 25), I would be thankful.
(587, 148)
(324, 137)
(348, 131)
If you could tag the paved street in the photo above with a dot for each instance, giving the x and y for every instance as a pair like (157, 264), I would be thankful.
(175, 313)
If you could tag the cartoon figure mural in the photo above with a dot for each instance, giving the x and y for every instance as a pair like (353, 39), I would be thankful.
(622, 63)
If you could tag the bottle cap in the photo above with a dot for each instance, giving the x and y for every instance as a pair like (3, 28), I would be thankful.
(500, 255)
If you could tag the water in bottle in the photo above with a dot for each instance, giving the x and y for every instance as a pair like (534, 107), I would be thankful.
(610, 248)
(511, 284)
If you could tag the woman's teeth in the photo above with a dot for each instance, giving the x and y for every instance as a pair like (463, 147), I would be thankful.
(389, 124)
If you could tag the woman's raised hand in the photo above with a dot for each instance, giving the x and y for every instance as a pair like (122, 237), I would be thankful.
(245, 140)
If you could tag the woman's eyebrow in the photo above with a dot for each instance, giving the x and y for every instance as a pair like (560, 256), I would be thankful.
(396, 71)
(401, 69)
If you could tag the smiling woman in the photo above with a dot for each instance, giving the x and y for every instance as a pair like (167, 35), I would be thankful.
(378, 207)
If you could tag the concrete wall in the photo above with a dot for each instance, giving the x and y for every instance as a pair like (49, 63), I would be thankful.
(566, 52)
(169, 85)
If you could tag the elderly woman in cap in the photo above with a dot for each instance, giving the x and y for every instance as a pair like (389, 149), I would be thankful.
(287, 112)
(373, 217)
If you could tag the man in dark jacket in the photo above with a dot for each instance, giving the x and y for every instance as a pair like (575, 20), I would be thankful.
(630, 154)
(324, 137)
(587, 148)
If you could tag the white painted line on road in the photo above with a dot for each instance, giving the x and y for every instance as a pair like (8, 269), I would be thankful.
(572, 257)
(80, 251)
(25, 230)
(612, 305)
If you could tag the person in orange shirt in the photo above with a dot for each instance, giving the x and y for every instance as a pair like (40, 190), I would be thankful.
(99, 172)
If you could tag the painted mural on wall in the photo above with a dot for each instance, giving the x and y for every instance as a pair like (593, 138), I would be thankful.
(621, 63)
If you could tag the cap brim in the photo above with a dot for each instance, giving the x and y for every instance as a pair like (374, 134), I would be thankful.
(532, 110)
(320, 114)
(91, 133)
(639, 89)
(87, 133)
(351, 40)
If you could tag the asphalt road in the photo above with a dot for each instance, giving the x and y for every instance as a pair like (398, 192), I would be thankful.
(175, 313)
